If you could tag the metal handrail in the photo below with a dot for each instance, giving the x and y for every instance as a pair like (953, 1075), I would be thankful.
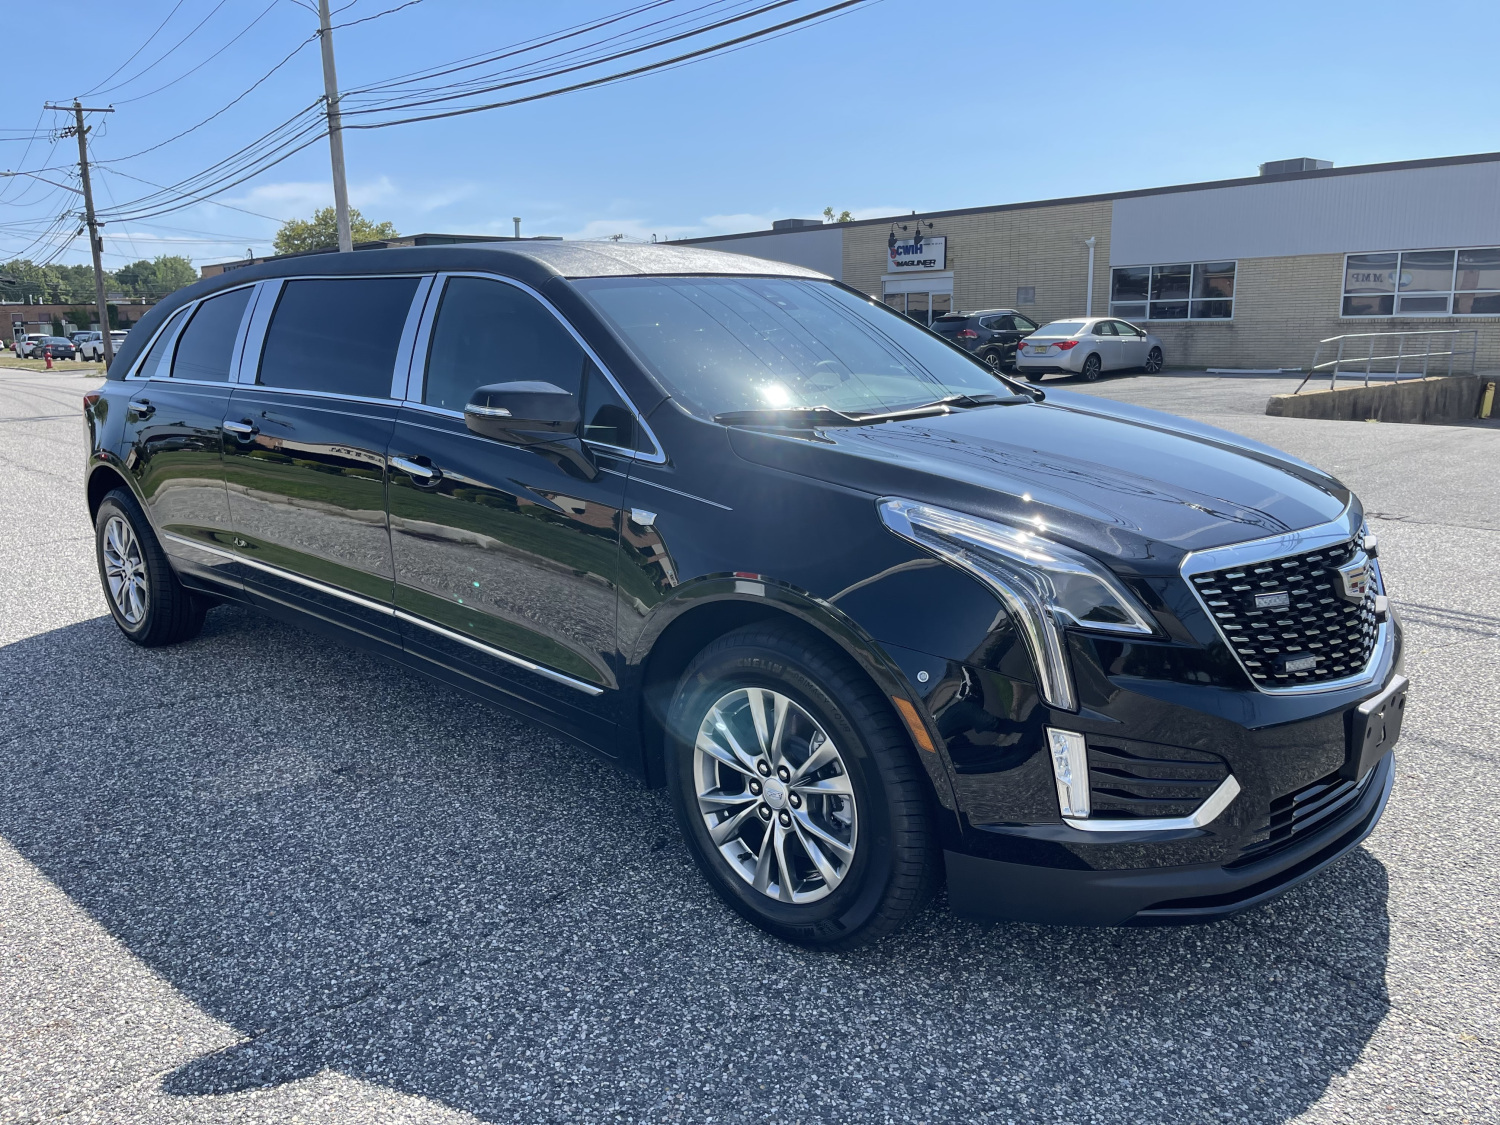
(1369, 359)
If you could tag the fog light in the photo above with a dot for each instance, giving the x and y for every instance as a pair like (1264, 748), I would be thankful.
(1070, 767)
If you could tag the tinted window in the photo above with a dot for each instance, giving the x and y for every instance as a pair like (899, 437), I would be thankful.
(207, 343)
(491, 332)
(606, 418)
(725, 343)
(337, 336)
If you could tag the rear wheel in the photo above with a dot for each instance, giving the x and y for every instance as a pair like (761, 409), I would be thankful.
(994, 358)
(1153, 361)
(147, 602)
(797, 790)
(1091, 368)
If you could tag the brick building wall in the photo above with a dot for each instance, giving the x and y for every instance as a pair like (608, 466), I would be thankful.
(1284, 306)
(993, 253)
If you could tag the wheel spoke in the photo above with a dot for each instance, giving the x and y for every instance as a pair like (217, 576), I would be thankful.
(819, 758)
(765, 862)
(757, 700)
(837, 786)
(722, 727)
(707, 745)
(840, 849)
(782, 704)
(820, 861)
(727, 830)
(784, 883)
(721, 800)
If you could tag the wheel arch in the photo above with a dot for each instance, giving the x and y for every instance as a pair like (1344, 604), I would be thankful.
(702, 612)
(104, 477)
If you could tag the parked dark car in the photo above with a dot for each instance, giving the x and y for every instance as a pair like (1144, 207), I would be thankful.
(58, 347)
(875, 615)
(991, 335)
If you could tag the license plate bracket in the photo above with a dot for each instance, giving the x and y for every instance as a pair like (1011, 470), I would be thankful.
(1374, 728)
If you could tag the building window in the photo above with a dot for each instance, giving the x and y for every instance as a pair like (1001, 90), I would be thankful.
(1025, 294)
(1185, 291)
(1423, 283)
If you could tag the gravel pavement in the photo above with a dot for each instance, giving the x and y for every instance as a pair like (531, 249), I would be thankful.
(260, 877)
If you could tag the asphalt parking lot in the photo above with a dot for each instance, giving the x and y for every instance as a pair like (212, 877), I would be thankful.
(259, 877)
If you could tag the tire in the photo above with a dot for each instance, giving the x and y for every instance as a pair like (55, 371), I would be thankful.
(1092, 366)
(148, 603)
(1153, 361)
(865, 809)
(995, 359)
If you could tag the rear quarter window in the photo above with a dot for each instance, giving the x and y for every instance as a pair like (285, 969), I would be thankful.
(337, 335)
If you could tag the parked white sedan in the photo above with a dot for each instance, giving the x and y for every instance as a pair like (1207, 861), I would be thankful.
(1087, 346)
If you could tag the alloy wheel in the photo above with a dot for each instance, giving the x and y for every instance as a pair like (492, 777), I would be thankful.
(775, 795)
(993, 359)
(125, 570)
(1153, 361)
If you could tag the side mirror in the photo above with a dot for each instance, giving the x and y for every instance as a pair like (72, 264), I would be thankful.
(522, 413)
(539, 416)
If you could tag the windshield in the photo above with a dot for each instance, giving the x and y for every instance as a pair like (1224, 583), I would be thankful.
(721, 344)
(1060, 328)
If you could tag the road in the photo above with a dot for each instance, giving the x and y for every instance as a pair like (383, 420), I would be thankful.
(260, 877)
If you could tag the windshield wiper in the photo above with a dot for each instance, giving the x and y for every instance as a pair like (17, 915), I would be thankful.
(828, 416)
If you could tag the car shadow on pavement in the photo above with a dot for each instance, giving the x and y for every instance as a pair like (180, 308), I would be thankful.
(366, 872)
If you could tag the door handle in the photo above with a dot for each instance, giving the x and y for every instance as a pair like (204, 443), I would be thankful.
(422, 474)
(240, 429)
(141, 409)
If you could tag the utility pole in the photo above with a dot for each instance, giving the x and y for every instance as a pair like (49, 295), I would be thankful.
(96, 244)
(335, 130)
(517, 220)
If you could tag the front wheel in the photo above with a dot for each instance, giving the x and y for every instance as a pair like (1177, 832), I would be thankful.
(798, 790)
(147, 602)
(1091, 368)
(1153, 361)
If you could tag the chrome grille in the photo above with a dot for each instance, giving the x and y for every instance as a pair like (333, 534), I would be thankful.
(1274, 642)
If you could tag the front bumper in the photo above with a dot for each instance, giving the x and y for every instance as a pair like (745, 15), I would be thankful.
(996, 889)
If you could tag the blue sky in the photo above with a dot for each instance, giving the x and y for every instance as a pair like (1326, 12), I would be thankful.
(899, 105)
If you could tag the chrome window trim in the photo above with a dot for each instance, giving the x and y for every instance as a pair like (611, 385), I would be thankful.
(424, 341)
(406, 351)
(301, 392)
(255, 332)
(134, 374)
(1209, 811)
(391, 611)
(1344, 527)
(237, 356)
(235, 349)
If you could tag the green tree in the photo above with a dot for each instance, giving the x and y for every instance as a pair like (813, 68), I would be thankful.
(167, 273)
(80, 317)
(321, 231)
(843, 216)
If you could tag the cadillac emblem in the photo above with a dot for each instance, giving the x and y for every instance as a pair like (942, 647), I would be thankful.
(1356, 577)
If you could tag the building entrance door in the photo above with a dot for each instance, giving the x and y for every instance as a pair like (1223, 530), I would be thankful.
(923, 307)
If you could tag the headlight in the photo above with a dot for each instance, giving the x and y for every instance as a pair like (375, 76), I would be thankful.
(1047, 587)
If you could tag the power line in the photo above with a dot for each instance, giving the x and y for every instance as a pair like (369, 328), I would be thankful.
(164, 55)
(216, 203)
(187, 73)
(149, 40)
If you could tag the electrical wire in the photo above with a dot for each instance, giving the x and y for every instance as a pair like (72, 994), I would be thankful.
(216, 203)
(245, 31)
(149, 40)
(163, 56)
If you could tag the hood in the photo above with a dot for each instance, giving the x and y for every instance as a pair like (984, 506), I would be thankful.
(1137, 486)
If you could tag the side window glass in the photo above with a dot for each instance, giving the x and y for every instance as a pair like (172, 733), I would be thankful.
(337, 336)
(1024, 325)
(490, 332)
(1003, 324)
(606, 418)
(1104, 328)
(1126, 329)
(207, 344)
(151, 365)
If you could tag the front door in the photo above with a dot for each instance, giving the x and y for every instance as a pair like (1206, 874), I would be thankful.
(1132, 345)
(507, 559)
(173, 428)
(305, 447)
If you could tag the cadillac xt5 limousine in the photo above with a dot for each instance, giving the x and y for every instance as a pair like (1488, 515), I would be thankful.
(877, 617)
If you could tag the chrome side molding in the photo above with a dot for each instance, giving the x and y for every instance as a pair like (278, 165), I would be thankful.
(392, 611)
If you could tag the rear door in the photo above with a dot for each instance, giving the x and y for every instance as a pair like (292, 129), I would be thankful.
(507, 560)
(1104, 340)
(181, 388)
(305, 445)
(1132, 344)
